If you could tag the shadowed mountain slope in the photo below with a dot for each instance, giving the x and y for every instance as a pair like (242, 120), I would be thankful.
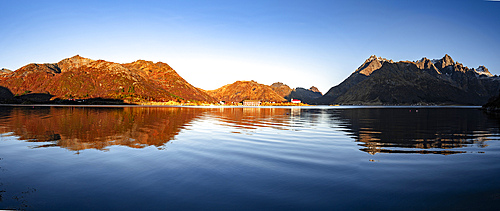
(305, 95)
(379, 81)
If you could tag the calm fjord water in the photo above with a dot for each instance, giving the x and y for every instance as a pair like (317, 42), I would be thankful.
(343, 158)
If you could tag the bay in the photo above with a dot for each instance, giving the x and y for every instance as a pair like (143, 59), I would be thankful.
(249, 158)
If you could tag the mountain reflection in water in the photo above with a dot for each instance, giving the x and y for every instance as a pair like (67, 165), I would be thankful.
(416, 130)
(378, 130)
(79, 128)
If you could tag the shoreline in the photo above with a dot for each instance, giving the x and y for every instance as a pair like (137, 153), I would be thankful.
(240, 106)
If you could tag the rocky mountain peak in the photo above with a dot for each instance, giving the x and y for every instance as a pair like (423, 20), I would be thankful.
(73, 63)
(5, 71)
(282, 89)
(482, 70)
(278, 84)
(380, 59)
(448, 60)
(444, 62)
(371, 64)
(407, 82)
(314, 89)
(426, 64)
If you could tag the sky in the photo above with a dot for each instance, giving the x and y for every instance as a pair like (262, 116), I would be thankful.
(214, 43)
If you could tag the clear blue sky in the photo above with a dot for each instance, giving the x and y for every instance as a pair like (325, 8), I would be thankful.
(213, 43)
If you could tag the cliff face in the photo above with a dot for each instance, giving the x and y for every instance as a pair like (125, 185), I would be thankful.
(380, 81)
(246, 90)
(79, 77)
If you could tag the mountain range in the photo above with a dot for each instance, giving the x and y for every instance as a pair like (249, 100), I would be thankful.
(79, 77)
(377, 81)
(380, 81)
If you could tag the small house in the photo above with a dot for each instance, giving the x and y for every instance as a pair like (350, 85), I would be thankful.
(295, 101)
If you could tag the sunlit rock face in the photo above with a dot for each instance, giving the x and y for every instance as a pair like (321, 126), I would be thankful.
(282, 89)
(79, 77)
(246, 90)
(380, 81)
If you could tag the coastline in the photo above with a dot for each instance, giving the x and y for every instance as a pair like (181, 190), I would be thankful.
(241, 106)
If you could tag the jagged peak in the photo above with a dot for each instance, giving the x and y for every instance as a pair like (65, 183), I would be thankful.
(447, 57)
(371, 64)
(380, 59)
(426, 63)
(482, 70)
(443, 65)
(423, 59)
(447, 60)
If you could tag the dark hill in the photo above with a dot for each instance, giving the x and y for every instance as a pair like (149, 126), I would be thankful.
(305, 95)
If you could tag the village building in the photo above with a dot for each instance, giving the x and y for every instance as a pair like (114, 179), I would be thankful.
(295, 101)
(251, 102)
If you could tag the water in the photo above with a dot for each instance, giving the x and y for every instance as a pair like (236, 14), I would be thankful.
(341, 158)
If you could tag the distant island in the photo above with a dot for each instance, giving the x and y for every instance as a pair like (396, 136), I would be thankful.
(378, 81)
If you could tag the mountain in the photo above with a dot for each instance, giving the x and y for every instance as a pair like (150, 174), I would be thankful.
(282, 89)
(493, 104)
(5, 71)
(246, 90)
(305, 95)
(79, 77)
(380, 81)
(6, 95)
